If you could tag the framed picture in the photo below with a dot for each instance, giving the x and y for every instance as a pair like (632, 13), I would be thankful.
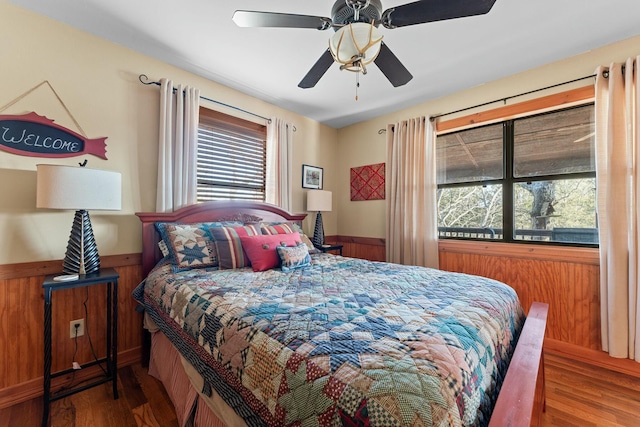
(312, 177)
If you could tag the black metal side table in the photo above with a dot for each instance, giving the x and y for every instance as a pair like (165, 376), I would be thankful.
(107, 276)
(329, 248)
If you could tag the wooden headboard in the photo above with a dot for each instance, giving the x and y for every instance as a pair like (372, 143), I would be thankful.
(228, 210)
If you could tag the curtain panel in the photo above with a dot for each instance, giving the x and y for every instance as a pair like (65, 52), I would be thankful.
(177, 146)
(278, 184)
(411, 207)
(618, 203)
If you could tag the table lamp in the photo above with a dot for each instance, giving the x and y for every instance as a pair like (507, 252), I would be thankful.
(80, 189)
(318, 201)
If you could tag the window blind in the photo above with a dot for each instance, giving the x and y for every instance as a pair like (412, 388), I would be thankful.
(231, 158)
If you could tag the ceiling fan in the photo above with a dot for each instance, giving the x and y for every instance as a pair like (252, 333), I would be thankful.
(357, 40)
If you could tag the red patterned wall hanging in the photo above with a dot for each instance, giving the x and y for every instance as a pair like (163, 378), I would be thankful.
(367, 182)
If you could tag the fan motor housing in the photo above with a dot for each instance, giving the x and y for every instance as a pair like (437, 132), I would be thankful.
(342, 12)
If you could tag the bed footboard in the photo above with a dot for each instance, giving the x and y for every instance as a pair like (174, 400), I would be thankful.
(522, 399)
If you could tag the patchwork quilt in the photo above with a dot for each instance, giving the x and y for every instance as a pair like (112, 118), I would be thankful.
(342, 341)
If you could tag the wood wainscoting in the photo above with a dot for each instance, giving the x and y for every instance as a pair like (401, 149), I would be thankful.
(565, 278)
(22, 323)
(371, 248)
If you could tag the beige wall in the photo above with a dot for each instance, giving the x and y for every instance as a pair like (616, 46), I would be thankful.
(98, 83)
(361, 144)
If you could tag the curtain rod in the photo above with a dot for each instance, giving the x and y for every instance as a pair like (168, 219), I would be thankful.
(513, 96)
(381, 131)
(267, 119)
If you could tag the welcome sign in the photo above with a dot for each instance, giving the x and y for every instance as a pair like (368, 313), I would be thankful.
(34, 135)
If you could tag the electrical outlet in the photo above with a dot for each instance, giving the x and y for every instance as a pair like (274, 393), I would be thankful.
(72, 328)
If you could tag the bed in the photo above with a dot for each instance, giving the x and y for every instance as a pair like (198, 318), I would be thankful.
(322, 339)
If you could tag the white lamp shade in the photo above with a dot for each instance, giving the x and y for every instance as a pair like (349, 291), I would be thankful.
(78, 188)
(352, 39)
(319, 200)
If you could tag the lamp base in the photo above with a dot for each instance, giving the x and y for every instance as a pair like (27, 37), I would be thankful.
(82, 253)
(318, 232)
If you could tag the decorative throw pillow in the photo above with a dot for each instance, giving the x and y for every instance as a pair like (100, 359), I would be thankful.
(275, 228)
(293, 257)
(286, 228)
(261, 250)
(312, 249)
(229, 247)
(190, 245)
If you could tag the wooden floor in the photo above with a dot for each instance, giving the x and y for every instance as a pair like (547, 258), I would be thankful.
(581, 395)
(142, 403)
(578, 395)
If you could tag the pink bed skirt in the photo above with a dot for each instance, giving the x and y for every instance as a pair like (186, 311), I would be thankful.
(165, 365)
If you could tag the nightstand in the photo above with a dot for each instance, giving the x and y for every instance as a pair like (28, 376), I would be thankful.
(107, 276)
(329, 248)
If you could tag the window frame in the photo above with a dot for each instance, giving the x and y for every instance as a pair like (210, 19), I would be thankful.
(507, 115)
(230, 123)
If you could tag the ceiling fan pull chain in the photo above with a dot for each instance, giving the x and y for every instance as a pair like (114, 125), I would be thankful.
(357, 84)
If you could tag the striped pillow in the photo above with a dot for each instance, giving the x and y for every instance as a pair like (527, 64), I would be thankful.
(283, 228)
(287, 228)
(229, 246)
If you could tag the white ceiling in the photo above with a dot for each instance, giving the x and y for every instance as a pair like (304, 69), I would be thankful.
(268, 63)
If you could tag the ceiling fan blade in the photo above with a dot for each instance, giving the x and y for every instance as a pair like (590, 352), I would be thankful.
(420, 12)
(391, 67)
(250, 18)
(317, 71)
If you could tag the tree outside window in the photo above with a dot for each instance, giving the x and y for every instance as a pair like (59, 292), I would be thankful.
(525, 179)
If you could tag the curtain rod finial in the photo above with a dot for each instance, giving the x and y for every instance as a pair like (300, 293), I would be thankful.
(144, 79)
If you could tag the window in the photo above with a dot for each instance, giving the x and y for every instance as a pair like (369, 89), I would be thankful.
(525, 179)
(231, 158)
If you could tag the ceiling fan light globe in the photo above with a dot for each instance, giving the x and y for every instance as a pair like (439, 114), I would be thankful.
(357, 40)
